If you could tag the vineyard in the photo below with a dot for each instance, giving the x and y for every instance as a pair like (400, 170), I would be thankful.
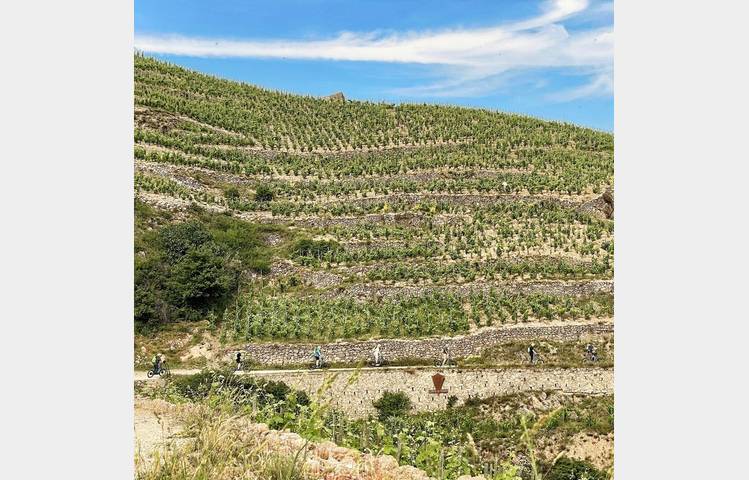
(364, 219)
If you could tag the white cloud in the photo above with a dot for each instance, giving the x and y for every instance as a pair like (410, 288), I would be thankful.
(472, 61)
(601, 84)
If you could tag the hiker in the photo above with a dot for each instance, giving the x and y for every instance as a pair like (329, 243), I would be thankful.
(376, 355)
(445, 356)
(532, 353)
(239, 360)
(591, 351)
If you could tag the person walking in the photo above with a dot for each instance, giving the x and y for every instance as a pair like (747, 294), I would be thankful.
(532, 353)
(377, 355)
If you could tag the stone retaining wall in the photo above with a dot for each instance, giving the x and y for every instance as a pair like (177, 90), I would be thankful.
(396, 349)
(356, 398)
(547, 287)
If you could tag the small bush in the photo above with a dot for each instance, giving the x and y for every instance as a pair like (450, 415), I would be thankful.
(313, 248)
(263, 193)
(199, 385)
(567, 469)
(231, 193)
(392, 404)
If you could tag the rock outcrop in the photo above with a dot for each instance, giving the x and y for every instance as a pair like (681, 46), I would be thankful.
(337, 96)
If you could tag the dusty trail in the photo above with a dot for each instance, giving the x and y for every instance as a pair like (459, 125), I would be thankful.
(403, 350)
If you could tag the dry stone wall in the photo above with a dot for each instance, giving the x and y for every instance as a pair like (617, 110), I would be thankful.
(279, 354)
(355, 398)
(548, 287)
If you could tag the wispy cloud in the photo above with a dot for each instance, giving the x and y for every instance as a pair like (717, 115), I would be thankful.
(599, 85)
(471, 61)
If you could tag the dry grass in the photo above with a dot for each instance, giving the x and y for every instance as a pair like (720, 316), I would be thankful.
(217, 448)
(218, 445)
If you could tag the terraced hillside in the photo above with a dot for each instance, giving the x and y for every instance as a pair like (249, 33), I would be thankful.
(309, 219)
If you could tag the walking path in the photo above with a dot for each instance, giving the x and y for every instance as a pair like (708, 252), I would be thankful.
(403, 350)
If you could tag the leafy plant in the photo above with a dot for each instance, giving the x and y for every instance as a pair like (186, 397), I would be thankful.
(392, 404)
(263, 193)
(567, 469)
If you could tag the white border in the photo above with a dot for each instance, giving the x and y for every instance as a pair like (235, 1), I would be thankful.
(67, 114)
(681, 97)
(680, 102)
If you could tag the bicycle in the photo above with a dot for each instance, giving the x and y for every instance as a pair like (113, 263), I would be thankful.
(536, 360)
(319, 364)
(449, 363)
(383, 362)
(163, 371)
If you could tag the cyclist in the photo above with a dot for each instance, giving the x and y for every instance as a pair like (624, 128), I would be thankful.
(239, 360)
(162, 363)
(591, 351)
(532, 353)
(317, 353)
(445, 355)
(156, 360)
(377, 356)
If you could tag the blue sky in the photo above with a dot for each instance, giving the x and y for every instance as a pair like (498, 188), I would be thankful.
(552, 59)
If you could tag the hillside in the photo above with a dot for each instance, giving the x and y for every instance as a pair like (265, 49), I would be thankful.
(269, 223)
(326, 219)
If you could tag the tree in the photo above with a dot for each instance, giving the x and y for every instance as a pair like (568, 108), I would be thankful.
(201, 279)
(176, 240)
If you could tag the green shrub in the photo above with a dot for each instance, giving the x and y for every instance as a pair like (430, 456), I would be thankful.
(176, 240)
(184, 275)
(567, 469)
(263, 193)
(314, 248)
(185, 270)
(231, 193)
(197, 386)
(201, 279)
(392, 404)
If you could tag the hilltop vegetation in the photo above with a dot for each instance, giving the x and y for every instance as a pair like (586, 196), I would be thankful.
(256, 117)
(292, 217)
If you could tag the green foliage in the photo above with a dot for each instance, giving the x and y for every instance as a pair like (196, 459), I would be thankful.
(245, 240)
(314, 249)
(244, 389)
(249, 115)
(201, 278)
(266, 315)
(376, 194)
(179, 239)
(447, 444)
(185, 270)
(231, 193)
(568, 469)
(264, 193)
(392, 404)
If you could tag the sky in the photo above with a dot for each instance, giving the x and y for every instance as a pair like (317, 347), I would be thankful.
(551, 59)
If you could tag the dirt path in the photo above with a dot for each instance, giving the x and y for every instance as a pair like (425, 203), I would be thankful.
(156, 427)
